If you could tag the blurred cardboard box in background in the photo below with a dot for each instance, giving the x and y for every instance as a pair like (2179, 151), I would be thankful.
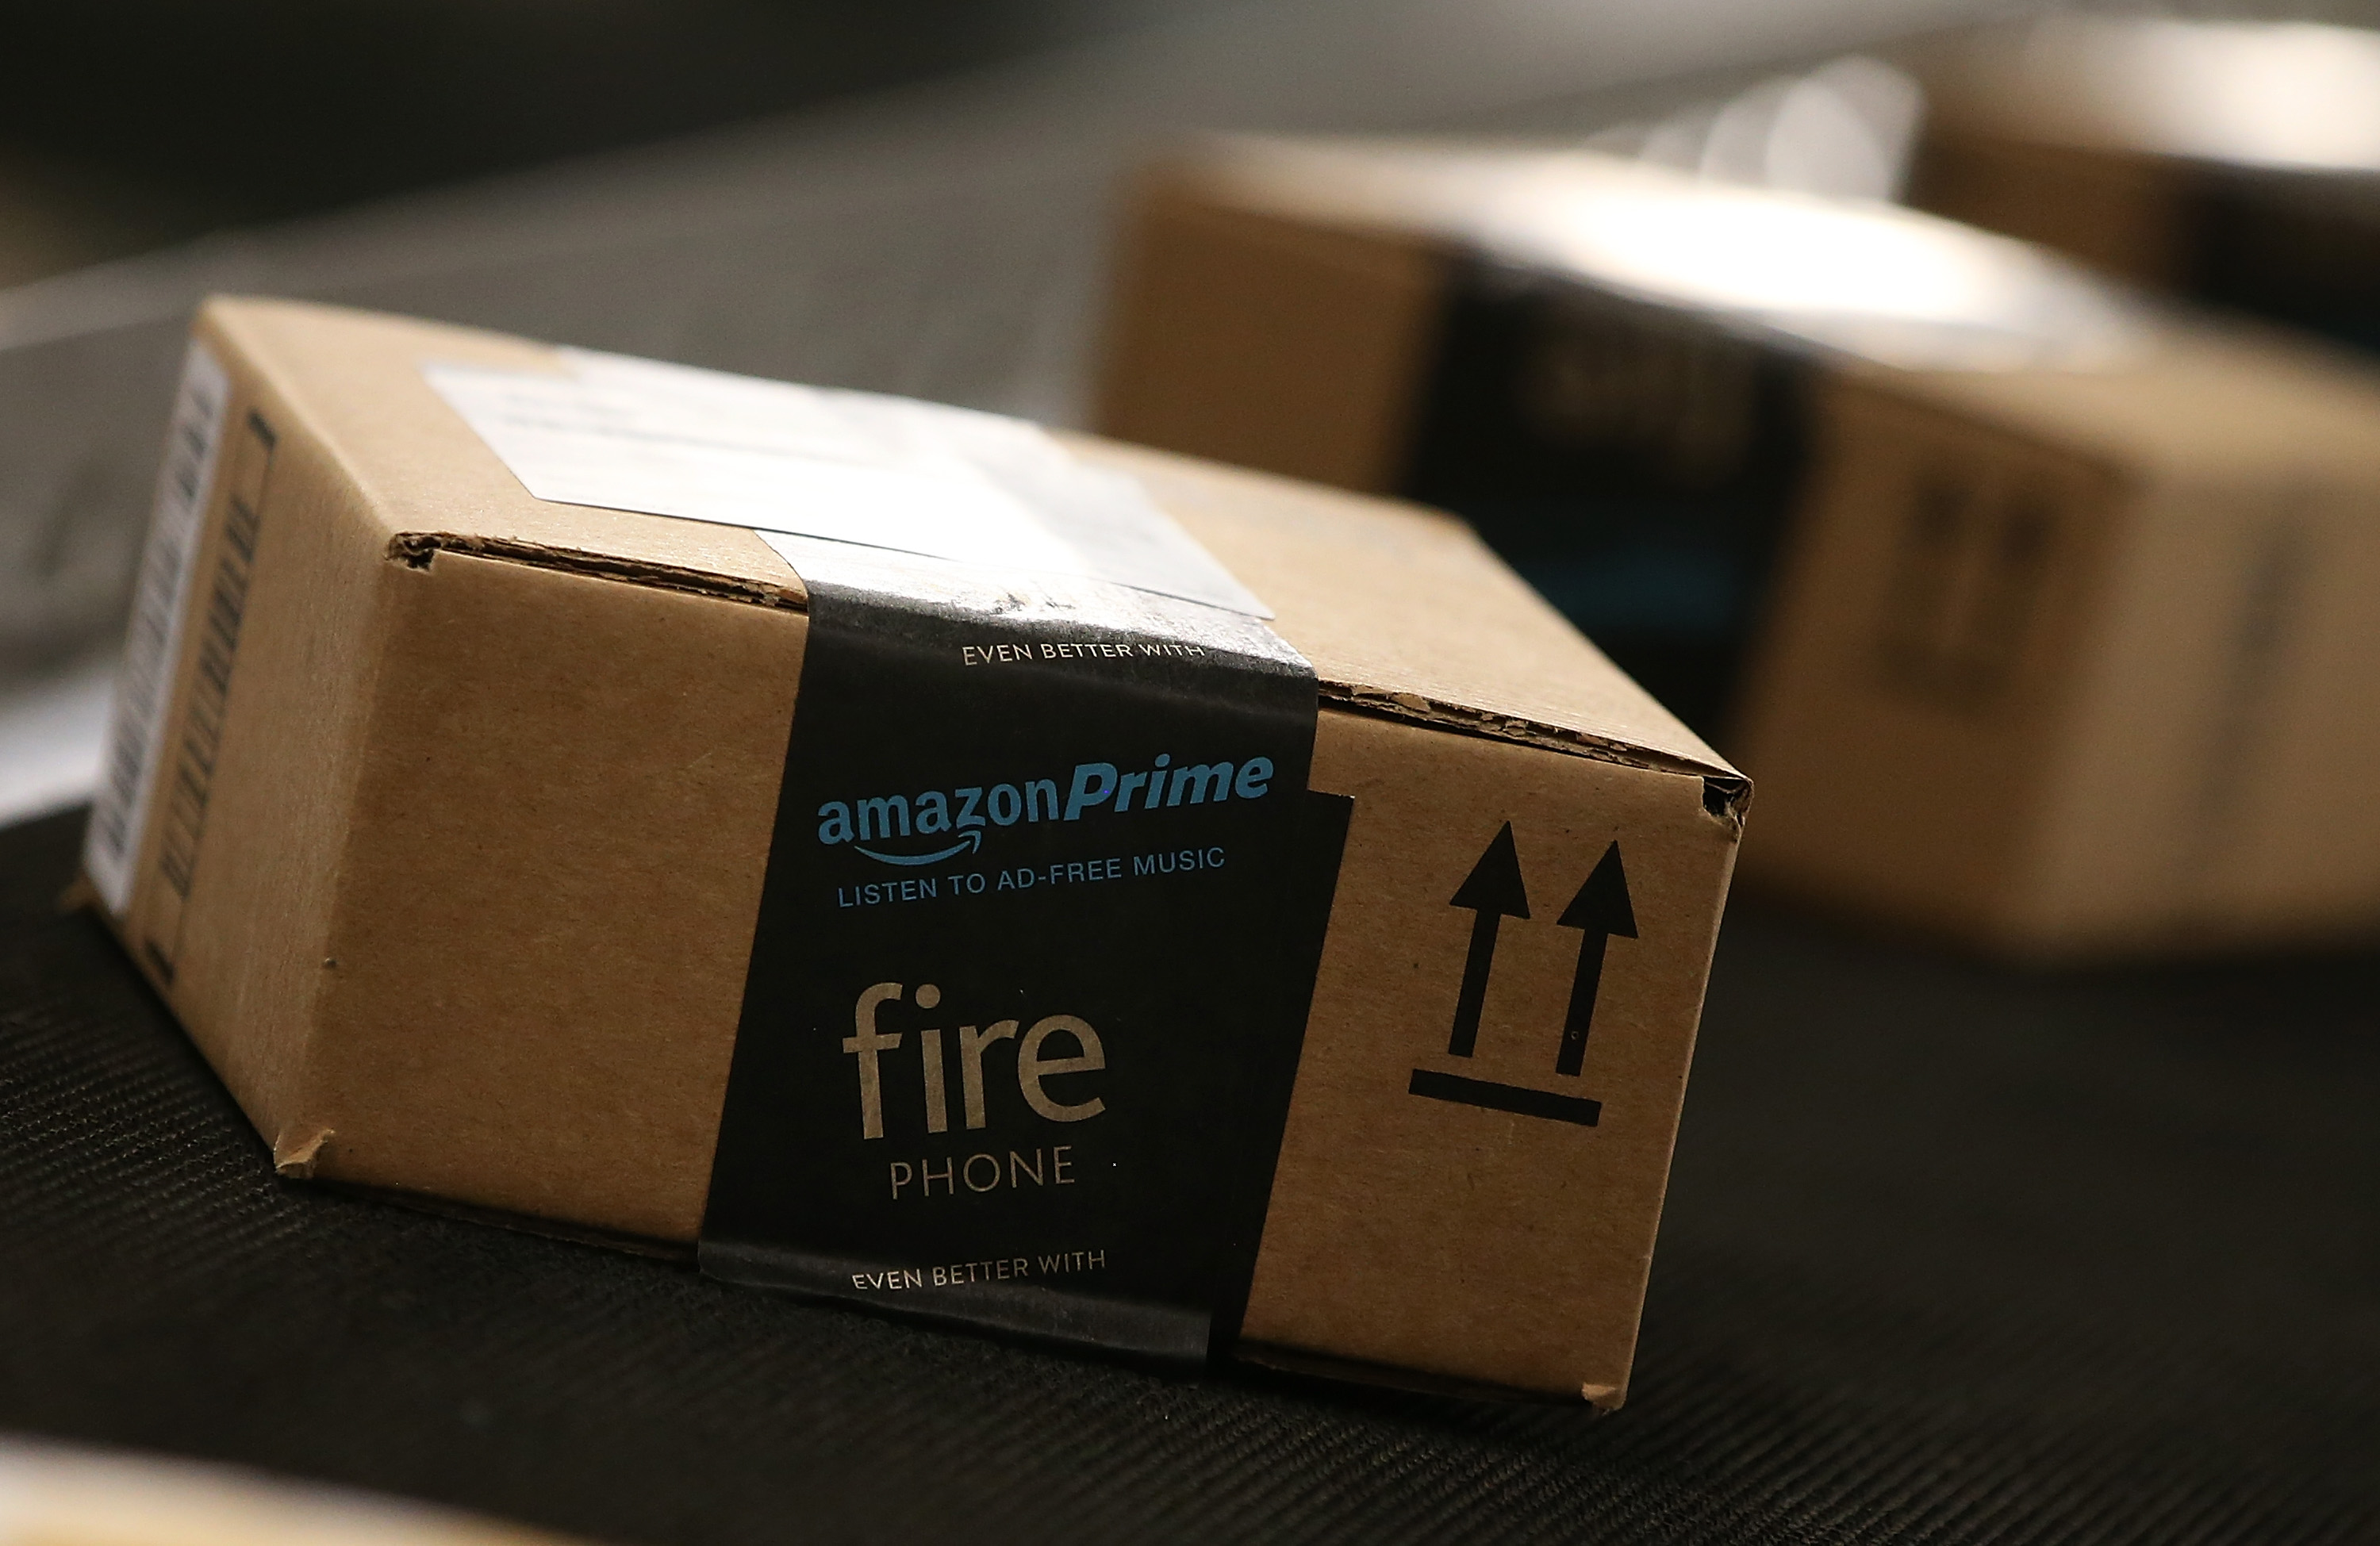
(2238, 163)
(2035, 614)
(1606, 366)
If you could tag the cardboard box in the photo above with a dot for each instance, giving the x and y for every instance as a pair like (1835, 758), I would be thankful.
(445, 821)
(2236, 163)
(1605, 367)
(2046, 634)
(2069, 664)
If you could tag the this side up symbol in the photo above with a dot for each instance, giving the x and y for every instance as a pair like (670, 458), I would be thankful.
(1493, 893)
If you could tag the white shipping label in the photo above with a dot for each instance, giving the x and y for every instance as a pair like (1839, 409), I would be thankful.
(883, 473)
(161, 601)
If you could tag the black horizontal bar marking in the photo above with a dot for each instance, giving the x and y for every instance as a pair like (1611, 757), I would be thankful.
(1506, 1097)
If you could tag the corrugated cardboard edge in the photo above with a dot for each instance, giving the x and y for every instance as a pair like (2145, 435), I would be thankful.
(1604, 1399)
(419, 549)
(1726, 794)
(296, 1151)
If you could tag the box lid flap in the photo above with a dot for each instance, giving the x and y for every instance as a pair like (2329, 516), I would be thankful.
(1402, 613)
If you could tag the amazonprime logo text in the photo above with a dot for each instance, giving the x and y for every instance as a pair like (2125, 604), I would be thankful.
(935, 825)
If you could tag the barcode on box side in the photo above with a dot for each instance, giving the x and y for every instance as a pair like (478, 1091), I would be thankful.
(182, 818)
(161, 602)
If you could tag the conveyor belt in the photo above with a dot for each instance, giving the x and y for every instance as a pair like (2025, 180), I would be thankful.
(1951, 1256)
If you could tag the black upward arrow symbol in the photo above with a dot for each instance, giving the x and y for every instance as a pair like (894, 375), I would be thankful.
(1495, 893)
(1601, 910)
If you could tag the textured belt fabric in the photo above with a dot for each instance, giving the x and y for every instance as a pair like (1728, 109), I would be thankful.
(1951, 1255)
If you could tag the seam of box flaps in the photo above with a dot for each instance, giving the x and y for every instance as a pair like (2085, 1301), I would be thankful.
(1724, 791)
(416, 548)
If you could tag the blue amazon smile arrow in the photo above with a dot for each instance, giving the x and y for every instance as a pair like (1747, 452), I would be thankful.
(968, 843)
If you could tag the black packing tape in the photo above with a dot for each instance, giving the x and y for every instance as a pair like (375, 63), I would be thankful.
(1018, 1032)
(1635, 463)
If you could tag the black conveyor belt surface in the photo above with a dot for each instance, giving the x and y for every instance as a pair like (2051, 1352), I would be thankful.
(1951, 1255)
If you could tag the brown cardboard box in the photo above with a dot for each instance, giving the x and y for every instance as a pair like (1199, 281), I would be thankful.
(461, 802)
(2061, 645)
(2236, 161)
(1603, 366)
(2071, 664)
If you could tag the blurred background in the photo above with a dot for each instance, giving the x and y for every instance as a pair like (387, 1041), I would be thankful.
(915, 195)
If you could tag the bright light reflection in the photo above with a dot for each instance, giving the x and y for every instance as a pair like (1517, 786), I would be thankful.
(2289, 95)
(1832, 275)
(1889, 285)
